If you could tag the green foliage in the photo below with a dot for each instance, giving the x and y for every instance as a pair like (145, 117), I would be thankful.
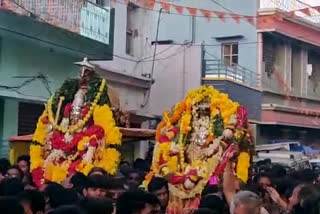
(68, 89)
(94, 86)
(218, 126)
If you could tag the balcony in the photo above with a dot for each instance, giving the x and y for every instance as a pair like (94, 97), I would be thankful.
(78, 24)
(241, 84)
(288, 6)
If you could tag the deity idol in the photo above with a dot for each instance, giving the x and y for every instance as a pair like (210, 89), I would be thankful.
(77, 130)
(195, 141)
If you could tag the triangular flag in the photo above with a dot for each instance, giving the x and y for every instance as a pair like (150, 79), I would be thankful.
(139, 2)
(317, 8)
(164, 4)
(206, 13)
(250, 19)
(178, 8)
(150, 4)
(192, 11)
(236, 18)
(221, 15)
(306, 11)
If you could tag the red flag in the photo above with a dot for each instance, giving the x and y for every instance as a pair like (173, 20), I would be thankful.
(221, 15)
(165, 6)
(236, 18)
(250, 19)
(192, 11)
(178, 8)
(139, 2)
(317, 8)
(206, 13)
(306, 11)
(150, 4)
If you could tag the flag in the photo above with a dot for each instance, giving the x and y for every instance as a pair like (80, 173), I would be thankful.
(150, 4)
(164, 4)
(206, 13)
(178, 8)
(220, 15)
(250, 20)
(192, 11)
(317, 8)
(140, 2)
(306, 11)
(236, 18)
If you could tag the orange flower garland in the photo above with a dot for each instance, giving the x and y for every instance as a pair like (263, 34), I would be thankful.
(169, 153)
(52, 142)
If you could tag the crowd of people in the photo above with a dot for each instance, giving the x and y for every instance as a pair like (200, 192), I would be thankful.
(272, 190)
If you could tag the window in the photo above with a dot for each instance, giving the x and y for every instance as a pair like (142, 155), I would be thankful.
(230, 54)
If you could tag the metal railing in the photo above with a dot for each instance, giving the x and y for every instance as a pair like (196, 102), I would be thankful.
(291, 5)
(216, 68)
(79, 16)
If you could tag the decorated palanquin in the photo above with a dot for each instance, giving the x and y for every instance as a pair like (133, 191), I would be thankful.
(77, 130)
(194, 143)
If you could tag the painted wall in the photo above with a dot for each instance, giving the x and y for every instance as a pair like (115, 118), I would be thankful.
(123, 62)
(22, 58)
(180, 28)
(174, 77)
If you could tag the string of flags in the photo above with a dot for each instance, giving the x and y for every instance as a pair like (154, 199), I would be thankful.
(209, 14)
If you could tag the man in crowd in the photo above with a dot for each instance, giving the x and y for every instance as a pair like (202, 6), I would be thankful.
(159, 187)
(138, 202)
(32, 201)
(133, 179)
(97, 186)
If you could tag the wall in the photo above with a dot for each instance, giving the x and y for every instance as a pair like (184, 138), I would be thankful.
(206, 32)
(123, 62)
(9, 124)
(174, 77)
(25, 59)
(22, 58)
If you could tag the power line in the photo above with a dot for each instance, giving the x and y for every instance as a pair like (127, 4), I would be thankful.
(181, 14)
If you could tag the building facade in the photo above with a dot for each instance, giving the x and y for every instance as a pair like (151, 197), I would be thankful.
(39, 42)
(271, 67)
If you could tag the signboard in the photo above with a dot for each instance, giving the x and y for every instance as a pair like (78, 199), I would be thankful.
(95, 23)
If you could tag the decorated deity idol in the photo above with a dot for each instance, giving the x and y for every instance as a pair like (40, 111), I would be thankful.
(77, 130)
(195, 141)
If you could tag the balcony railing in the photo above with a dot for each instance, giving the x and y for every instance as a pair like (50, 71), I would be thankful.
(291, 5)
(215, 68)
(78, 16)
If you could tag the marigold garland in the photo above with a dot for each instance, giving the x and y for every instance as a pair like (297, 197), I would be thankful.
(36, 156)
(40, 133)
(58, 151)
(243, 166)
(169, 153)
(103, 117)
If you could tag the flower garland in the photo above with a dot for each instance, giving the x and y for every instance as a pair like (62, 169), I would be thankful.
(59, 150)
(243, 166)
(86, 118)
(187, 179)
